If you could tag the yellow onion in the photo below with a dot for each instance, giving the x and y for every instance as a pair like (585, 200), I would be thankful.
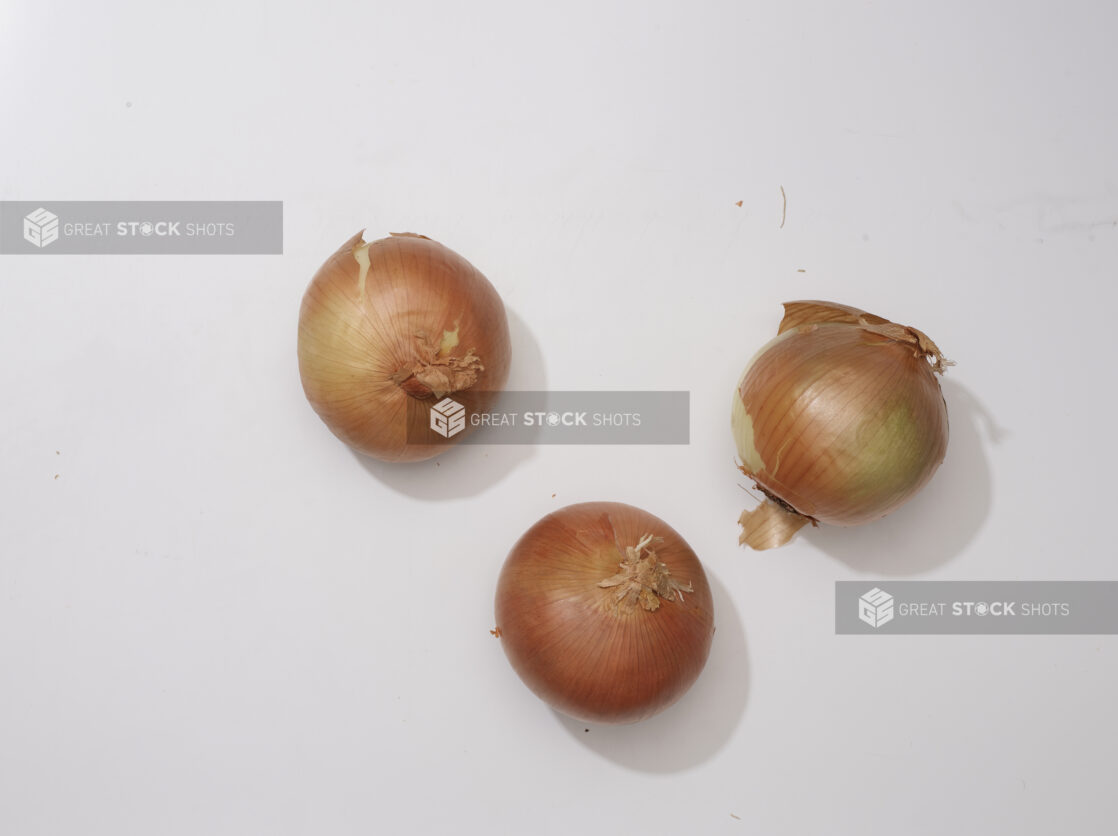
(605, 612)
(839, 420)
(389, 328)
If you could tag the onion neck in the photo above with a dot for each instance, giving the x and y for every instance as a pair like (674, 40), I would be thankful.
(810, 314)
(643, 580)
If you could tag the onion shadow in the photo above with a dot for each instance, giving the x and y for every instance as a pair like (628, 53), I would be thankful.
(694, 729)
(938, 523)
(469, 469)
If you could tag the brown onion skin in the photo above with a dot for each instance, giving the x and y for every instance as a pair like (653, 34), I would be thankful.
(814, 451)
(568, 640)
(351, 345)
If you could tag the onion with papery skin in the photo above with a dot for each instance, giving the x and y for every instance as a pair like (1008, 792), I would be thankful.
(605, 612)
(399, 322)
(839, 420)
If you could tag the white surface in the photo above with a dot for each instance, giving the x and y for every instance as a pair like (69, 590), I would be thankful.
(217, 619)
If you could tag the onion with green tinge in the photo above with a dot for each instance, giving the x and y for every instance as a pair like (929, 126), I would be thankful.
(840, 419)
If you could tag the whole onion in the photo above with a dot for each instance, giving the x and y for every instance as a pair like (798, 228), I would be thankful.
(399, 321)
(839, 420)
(605, 612)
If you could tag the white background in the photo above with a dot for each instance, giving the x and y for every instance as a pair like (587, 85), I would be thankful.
(215, 618)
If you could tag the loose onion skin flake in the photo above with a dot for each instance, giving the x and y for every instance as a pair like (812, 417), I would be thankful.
(605, 612)
(397, 321)
(839, 420)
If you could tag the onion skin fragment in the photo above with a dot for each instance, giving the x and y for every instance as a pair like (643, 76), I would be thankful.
(838, 420)
(605, 612)
(769, 525)
(391, 322)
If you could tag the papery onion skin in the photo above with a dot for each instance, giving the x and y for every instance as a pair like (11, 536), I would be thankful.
(396, 319)
(570, 639)
(839, 420)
